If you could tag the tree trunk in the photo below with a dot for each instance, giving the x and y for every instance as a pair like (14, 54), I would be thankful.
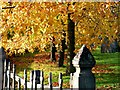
(62, 51)
(70, 43)
(61, 59)
(53, 50)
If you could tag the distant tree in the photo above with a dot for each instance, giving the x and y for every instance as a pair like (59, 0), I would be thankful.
(52, 50)
(62, 48)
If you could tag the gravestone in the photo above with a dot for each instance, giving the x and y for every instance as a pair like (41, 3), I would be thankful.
(114, 47)
(107, 47)
(104, 48)
(83, 78)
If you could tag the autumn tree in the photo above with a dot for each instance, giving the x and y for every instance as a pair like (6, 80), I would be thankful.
(30, 24)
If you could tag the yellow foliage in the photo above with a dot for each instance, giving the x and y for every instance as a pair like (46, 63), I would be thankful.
(34, 23)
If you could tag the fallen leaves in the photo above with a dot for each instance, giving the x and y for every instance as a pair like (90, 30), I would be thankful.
(42, 61)
(103, 88)
(101, 69)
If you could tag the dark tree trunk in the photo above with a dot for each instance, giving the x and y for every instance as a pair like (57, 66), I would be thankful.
(62, 51)
(61, 59)
(53, 50)
(71, 45)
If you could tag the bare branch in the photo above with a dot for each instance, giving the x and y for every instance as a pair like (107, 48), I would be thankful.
(8, 7)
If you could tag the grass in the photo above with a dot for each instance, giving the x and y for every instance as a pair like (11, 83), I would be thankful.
(38, 62)
(111, 63)
(106, 70)
(107, 80)
(106, 58)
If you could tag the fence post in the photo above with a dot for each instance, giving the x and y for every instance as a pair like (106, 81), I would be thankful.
(2, 58)
(83, 78)
(50, 81)
(35, 80)
(19, 84)
(1, 87)
(25, 79)
(8, 76)
(31, 80)
(71, 80)
(60, 81)
(4, 81)
(42, 80)
(4, 64)
(14, 71)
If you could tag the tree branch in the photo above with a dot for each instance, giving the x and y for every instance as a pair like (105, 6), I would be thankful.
(8, 7)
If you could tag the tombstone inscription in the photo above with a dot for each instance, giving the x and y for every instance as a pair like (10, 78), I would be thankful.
(83, 78)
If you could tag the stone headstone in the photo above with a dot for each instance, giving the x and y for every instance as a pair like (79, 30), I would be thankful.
(83, 78)
(110, 47)
(104, 48)
(114, 47)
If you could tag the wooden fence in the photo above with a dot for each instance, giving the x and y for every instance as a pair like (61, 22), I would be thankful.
(11, 79)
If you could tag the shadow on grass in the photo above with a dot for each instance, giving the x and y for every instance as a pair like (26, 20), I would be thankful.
(109, 61)
(107, 80)
(38, 61)
(23, 62)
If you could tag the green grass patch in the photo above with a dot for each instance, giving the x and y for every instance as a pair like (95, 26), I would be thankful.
(110, 62)
(116, 68)
(106, 58)
(107, 80)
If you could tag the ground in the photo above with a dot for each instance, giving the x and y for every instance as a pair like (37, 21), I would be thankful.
(106, 69)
